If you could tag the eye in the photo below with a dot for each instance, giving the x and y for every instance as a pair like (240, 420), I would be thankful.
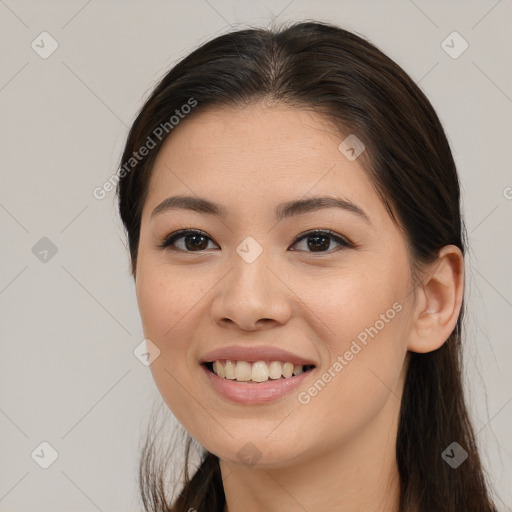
(193, 240)
(320, 241)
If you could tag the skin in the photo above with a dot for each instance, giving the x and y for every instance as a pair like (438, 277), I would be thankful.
(337, 452)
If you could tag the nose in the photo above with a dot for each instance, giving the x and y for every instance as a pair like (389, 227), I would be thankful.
(251, 297)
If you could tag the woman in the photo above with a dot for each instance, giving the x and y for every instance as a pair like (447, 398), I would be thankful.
(293, 219)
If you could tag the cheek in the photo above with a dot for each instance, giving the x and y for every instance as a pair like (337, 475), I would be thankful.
(362, 320)
(170, 302)
(350, 302)
(167, 298)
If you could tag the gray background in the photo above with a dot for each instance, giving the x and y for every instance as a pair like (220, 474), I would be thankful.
(69, 324)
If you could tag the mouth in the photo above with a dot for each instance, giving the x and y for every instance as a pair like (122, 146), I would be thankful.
(256, 372)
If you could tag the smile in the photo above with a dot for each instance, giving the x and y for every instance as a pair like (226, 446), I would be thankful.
(249, 391)
(259, 371)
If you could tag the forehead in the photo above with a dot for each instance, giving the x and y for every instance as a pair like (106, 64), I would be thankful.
(258, 153)
(254, 131)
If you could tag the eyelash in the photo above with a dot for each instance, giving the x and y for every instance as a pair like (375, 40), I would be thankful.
(170, 239)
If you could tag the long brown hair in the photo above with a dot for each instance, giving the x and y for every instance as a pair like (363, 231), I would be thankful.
(342, 76)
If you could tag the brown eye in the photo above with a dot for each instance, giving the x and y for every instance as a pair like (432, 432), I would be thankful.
(320, 241)
(189, 240)
(195, 242)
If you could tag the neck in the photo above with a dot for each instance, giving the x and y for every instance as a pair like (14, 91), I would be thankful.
(360, 475)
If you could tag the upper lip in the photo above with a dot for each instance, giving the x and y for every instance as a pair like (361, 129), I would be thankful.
(253, 354)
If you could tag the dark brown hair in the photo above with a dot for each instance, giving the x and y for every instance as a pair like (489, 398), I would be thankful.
(346, 79)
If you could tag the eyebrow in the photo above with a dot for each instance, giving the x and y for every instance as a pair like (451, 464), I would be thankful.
(282, 211)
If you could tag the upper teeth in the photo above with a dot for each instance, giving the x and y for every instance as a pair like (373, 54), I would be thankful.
(259, 371)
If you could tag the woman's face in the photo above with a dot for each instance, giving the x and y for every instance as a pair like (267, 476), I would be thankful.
(252, 282)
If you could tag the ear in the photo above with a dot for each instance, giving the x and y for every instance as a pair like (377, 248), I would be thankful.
(439, 300)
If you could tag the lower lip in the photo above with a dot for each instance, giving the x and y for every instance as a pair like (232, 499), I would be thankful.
(254, 393)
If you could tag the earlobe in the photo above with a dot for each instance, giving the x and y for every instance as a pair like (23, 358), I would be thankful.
(439, 301)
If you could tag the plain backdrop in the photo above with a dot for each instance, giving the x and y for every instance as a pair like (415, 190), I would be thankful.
(69, 320)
